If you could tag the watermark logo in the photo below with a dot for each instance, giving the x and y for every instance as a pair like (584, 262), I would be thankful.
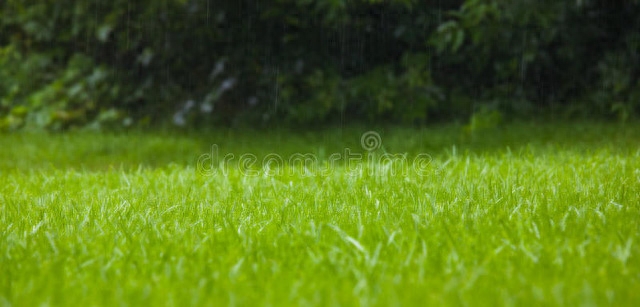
(374, 161)
(370, 141)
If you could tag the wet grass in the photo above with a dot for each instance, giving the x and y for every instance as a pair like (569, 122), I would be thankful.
(521, 215)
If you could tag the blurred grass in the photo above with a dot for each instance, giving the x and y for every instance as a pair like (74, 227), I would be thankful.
(102, 151)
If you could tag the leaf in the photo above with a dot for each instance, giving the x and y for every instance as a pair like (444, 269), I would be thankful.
(458, 40)
(103, 32)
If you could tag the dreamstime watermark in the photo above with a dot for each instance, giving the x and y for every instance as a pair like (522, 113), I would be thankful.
(371, 163)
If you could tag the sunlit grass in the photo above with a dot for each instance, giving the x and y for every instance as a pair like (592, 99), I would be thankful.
(522, 215)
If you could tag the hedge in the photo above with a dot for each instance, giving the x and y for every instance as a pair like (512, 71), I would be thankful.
(107, 64)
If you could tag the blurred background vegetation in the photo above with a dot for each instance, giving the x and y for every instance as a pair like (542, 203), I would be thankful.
(109, 64)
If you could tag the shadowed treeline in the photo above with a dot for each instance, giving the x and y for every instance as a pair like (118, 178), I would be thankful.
(269, 63)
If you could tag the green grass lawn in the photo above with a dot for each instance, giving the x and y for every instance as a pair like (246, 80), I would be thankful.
(524, 214)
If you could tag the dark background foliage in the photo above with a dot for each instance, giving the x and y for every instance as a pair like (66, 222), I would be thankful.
(299, 62)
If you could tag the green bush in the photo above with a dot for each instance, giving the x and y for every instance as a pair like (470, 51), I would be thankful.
(541, 53)
(90, 64)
